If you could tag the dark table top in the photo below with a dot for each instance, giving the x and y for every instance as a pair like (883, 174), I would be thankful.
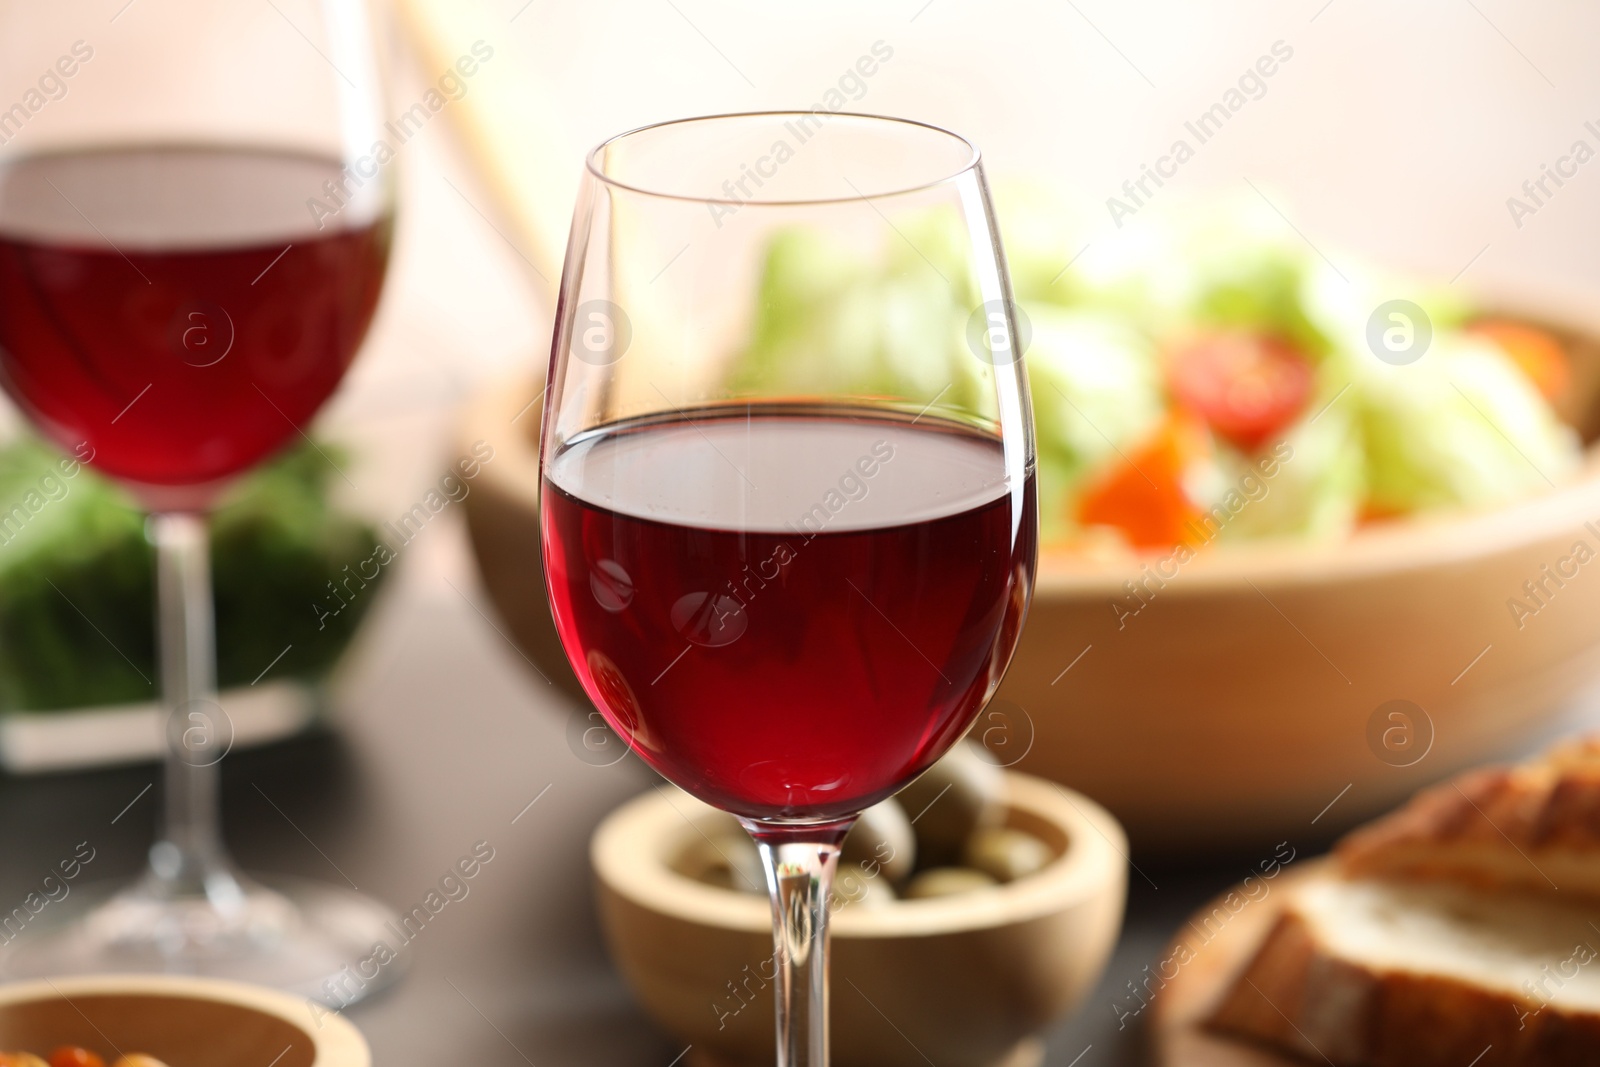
(443, 736)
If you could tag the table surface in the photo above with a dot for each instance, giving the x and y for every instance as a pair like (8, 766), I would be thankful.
(443, 738)
(443, 735)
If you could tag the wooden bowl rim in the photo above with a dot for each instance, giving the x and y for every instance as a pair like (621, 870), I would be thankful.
(1425, 542)
(630, 852)
(335, 1041)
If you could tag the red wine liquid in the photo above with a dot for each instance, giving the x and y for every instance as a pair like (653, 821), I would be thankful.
(790, 613)
(176, 308)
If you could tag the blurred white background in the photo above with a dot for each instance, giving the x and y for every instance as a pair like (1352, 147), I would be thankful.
(1398, 130)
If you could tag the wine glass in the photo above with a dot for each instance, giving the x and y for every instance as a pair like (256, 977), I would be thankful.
(195, 222)
(789, 517)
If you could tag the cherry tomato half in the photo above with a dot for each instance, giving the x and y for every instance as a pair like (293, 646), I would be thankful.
(1247, 387)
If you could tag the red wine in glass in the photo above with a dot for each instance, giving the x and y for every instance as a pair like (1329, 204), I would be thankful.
(790, 612)
(178, 309)
(187, 268)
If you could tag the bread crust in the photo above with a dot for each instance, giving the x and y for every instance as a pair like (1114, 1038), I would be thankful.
(1534, 826)
(1297, 997)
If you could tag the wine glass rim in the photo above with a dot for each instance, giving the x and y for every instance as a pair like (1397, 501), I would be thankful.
(591, 161)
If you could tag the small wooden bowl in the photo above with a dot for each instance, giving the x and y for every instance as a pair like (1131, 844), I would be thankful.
(967, 980)
(178, 1020)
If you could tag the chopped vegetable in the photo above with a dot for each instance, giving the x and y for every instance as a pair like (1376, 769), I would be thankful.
(76, 580)
(1463, 427)
(1311, 484)
(1247, 387)
(1143, 495)
(1269, 412)
(824, 324)
(1535, 352)
(1096, 392)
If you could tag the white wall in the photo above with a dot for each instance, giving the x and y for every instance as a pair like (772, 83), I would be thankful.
(1398, 129)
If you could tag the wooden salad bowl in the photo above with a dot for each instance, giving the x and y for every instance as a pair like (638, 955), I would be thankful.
(1261, 681)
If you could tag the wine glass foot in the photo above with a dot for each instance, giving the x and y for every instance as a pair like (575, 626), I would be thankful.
(329, 945)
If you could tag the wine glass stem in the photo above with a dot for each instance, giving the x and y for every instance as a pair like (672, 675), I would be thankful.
(799, 875)
(189, 849)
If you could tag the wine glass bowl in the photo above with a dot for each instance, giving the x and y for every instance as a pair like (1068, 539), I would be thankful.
(712, 666)
(171, 308)
(789, 516)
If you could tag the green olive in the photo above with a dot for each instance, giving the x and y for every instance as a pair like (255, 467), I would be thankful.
(726, 859)
(1005, 854)
(947, 882)
(957, 797)
(855, 887)
(882, 842)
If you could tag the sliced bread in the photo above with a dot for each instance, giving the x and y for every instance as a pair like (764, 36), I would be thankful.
(1534, 826)
(1461, 931)
(1366, 973)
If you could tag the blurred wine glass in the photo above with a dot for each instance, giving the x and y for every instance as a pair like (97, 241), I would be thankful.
(195, 222)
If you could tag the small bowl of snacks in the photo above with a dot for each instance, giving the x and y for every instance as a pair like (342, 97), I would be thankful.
(968, 913)
(141, 1020)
